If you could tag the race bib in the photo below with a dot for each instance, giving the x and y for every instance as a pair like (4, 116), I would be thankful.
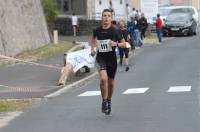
(104, 46)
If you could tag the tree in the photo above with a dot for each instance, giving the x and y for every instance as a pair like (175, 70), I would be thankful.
(51, 11)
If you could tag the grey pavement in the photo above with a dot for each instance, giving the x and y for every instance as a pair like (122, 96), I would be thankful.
(158, 68)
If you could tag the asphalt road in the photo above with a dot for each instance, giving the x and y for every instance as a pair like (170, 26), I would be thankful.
(164, 93)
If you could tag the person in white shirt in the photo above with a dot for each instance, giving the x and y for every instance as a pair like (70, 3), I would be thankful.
(74, 23)
(133, 13)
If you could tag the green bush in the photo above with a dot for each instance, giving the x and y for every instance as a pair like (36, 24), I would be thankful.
(51, 11)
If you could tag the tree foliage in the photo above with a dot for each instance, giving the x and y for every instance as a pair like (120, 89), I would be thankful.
(51, 11)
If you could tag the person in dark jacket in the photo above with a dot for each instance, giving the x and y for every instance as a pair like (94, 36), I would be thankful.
(144, 25)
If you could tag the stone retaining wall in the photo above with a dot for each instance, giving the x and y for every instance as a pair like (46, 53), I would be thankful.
(22, 26)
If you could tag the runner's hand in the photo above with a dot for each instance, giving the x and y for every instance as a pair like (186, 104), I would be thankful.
(93, 53)
(112, 43)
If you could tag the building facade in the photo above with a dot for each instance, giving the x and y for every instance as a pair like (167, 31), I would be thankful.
(91, 9)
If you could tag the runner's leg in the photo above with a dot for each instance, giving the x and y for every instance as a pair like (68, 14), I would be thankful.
(103, 82)
(110, 88)
(103, 88)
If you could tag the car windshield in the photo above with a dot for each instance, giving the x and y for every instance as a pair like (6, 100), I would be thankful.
(178, 17)
(164, 12)
(183, 10)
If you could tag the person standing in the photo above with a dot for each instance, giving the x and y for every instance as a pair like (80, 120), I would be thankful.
(159, 28)
(133, 13)
(74, 24)
(144, 25)
(105, 40)
(130, 29)
(137, 30)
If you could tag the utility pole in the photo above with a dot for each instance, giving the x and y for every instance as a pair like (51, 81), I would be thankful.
(127, 11)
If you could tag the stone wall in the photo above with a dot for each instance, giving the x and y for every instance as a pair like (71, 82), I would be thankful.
(22, 26)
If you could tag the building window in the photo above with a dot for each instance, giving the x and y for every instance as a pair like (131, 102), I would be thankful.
(66, 6)
(72, 6)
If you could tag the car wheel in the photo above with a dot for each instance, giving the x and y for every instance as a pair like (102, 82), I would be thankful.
(164, 34)
(195, 32)
(190, 33)
(170, 34)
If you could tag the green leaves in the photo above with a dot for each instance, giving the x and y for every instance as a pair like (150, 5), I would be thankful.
(50, 10)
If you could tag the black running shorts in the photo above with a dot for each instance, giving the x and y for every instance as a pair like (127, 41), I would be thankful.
(109, 66)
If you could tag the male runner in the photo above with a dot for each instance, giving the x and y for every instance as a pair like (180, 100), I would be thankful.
(105, 39)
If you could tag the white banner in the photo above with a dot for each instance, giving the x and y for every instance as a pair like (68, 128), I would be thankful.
(81, 58)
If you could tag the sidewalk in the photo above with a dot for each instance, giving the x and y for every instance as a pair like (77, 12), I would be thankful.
(31, 81)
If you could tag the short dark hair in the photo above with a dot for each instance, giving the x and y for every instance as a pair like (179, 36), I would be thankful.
(158, 15)
(106, 10)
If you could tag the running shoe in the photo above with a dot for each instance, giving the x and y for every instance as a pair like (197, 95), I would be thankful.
(127, 68)
(104, 106)
(108, 111)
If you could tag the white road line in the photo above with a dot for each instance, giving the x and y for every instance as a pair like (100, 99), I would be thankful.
(179, 89)
(7, 117)
(90, 93)
(135, 91)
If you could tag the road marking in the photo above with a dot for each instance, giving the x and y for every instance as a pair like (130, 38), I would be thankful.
(90, 93)
(179, 89)
(135, 90)
(7, 117)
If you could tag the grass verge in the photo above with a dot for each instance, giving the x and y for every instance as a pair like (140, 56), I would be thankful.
(150, 39)
(45, 51)
(11, 106)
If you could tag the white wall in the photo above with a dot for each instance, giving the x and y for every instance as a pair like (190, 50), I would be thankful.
(120, 9)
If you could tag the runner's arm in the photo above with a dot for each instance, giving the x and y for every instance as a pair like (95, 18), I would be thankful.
(93, 44)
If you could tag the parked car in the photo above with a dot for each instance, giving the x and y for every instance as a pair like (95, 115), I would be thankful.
(166, 10)
(180, 24)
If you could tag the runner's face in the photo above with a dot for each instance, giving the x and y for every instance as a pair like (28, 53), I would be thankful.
(107, 18)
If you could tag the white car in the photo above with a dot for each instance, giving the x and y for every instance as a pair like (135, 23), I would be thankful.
(166, 10)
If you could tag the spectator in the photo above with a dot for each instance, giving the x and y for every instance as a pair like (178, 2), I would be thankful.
(133, 13)
(159, 28)
(138, 13)
(144, 25)
(74, 24)
(130, 29)
(137, 30)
